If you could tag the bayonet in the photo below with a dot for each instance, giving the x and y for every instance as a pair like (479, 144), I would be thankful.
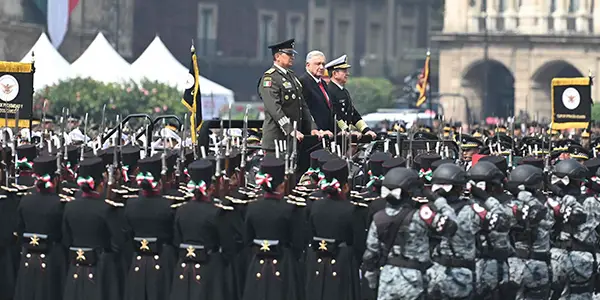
(163, 158)
(85, 121)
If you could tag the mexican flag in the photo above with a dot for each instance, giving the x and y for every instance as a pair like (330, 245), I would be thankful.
(57, 13)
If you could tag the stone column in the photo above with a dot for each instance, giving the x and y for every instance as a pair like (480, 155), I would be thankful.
(543, 8)
(492, 15)
(596, 17)
(510, 16)
(582, 21)
(560, 16)
(527, 16)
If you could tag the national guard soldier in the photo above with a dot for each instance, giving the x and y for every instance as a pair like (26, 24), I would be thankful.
(398, 238)
(281, 92)
(340, 97)
(494, 246)
(331, 261)
(93, 234)
(274, 233)
(43, 261)
(453, 272)
(150, 220)
(207, 238)
(529, 270)
(576, 239)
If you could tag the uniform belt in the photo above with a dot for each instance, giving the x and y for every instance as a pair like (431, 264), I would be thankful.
(452, 262)
(526, 254)
(35, 242)
(194, 253)
(267, 247)
(402, 262)
(147, 245)
(574, 245)
(497, 254)
(327, 247)
(581, 288)
(84, 256)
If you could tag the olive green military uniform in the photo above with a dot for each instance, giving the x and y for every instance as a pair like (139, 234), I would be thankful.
(281, 93)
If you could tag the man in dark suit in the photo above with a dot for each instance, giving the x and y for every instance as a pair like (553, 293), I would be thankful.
(314, 90)
(341, 99)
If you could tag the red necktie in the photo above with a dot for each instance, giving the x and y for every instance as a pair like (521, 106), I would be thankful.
(324, 93)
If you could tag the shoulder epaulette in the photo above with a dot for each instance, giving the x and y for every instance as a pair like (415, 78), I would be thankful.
(131, 189)
(314, 198)
(270, 71)
(117, 191)
(171, 197)
(113, 203)
(296, 203)
(3, 196)
(65, 198)
(235, 200)
(225, 207)
(24, 193)
(297, 199)
(359, 204)
(176, 205)
(11, 190)
(130, 196)
(357, 196)
(68, 190)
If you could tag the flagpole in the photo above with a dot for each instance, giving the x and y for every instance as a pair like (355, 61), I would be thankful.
(428, 87)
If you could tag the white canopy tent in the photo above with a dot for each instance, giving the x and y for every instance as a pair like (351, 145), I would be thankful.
(157, 63)
(101, 62)
(50, 66)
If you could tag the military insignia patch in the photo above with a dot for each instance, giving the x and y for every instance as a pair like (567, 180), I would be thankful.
(287, 85)
(267, 82)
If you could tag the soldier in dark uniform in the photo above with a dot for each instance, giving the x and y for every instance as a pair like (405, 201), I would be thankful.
(93, 234)
(469, 146)
(24, 165)
(207, 237)
(274, 232)
(347, 115)
(150, 219)
(43, 260)
(281, 92)
(331, 263)
(9, 202)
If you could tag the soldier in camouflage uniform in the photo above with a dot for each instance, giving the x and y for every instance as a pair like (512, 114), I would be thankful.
(494, 247)
(573, 254)
(529, 270)
(398, 238)
(453, 273)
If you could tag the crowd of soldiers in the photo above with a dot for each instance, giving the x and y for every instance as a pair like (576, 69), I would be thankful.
(496, 216)
(412, 213)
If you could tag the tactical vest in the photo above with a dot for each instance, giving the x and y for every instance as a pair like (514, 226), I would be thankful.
(392, 231)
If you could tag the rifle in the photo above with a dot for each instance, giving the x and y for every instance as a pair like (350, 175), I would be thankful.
(163, 158)
(512, 143)
(59, 154)
(242, 173)
(15, 143)
(181, 160)
(217, 165)
(111, 170)
(85, 121)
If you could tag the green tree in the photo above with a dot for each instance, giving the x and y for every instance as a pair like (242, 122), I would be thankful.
(84, 95)
(596, 112)
(370, 94)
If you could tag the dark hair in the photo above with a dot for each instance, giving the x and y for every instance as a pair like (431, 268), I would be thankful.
(146, 185)
(42, 184)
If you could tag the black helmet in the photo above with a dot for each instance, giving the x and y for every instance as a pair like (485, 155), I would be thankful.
(402, 178)
(526, 175)
(571, 168)
(486, 171)
(449, 174)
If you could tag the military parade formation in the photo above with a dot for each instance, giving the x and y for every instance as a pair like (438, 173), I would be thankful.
(314, 205)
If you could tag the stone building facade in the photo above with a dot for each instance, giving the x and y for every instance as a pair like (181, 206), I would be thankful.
(528, 43)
